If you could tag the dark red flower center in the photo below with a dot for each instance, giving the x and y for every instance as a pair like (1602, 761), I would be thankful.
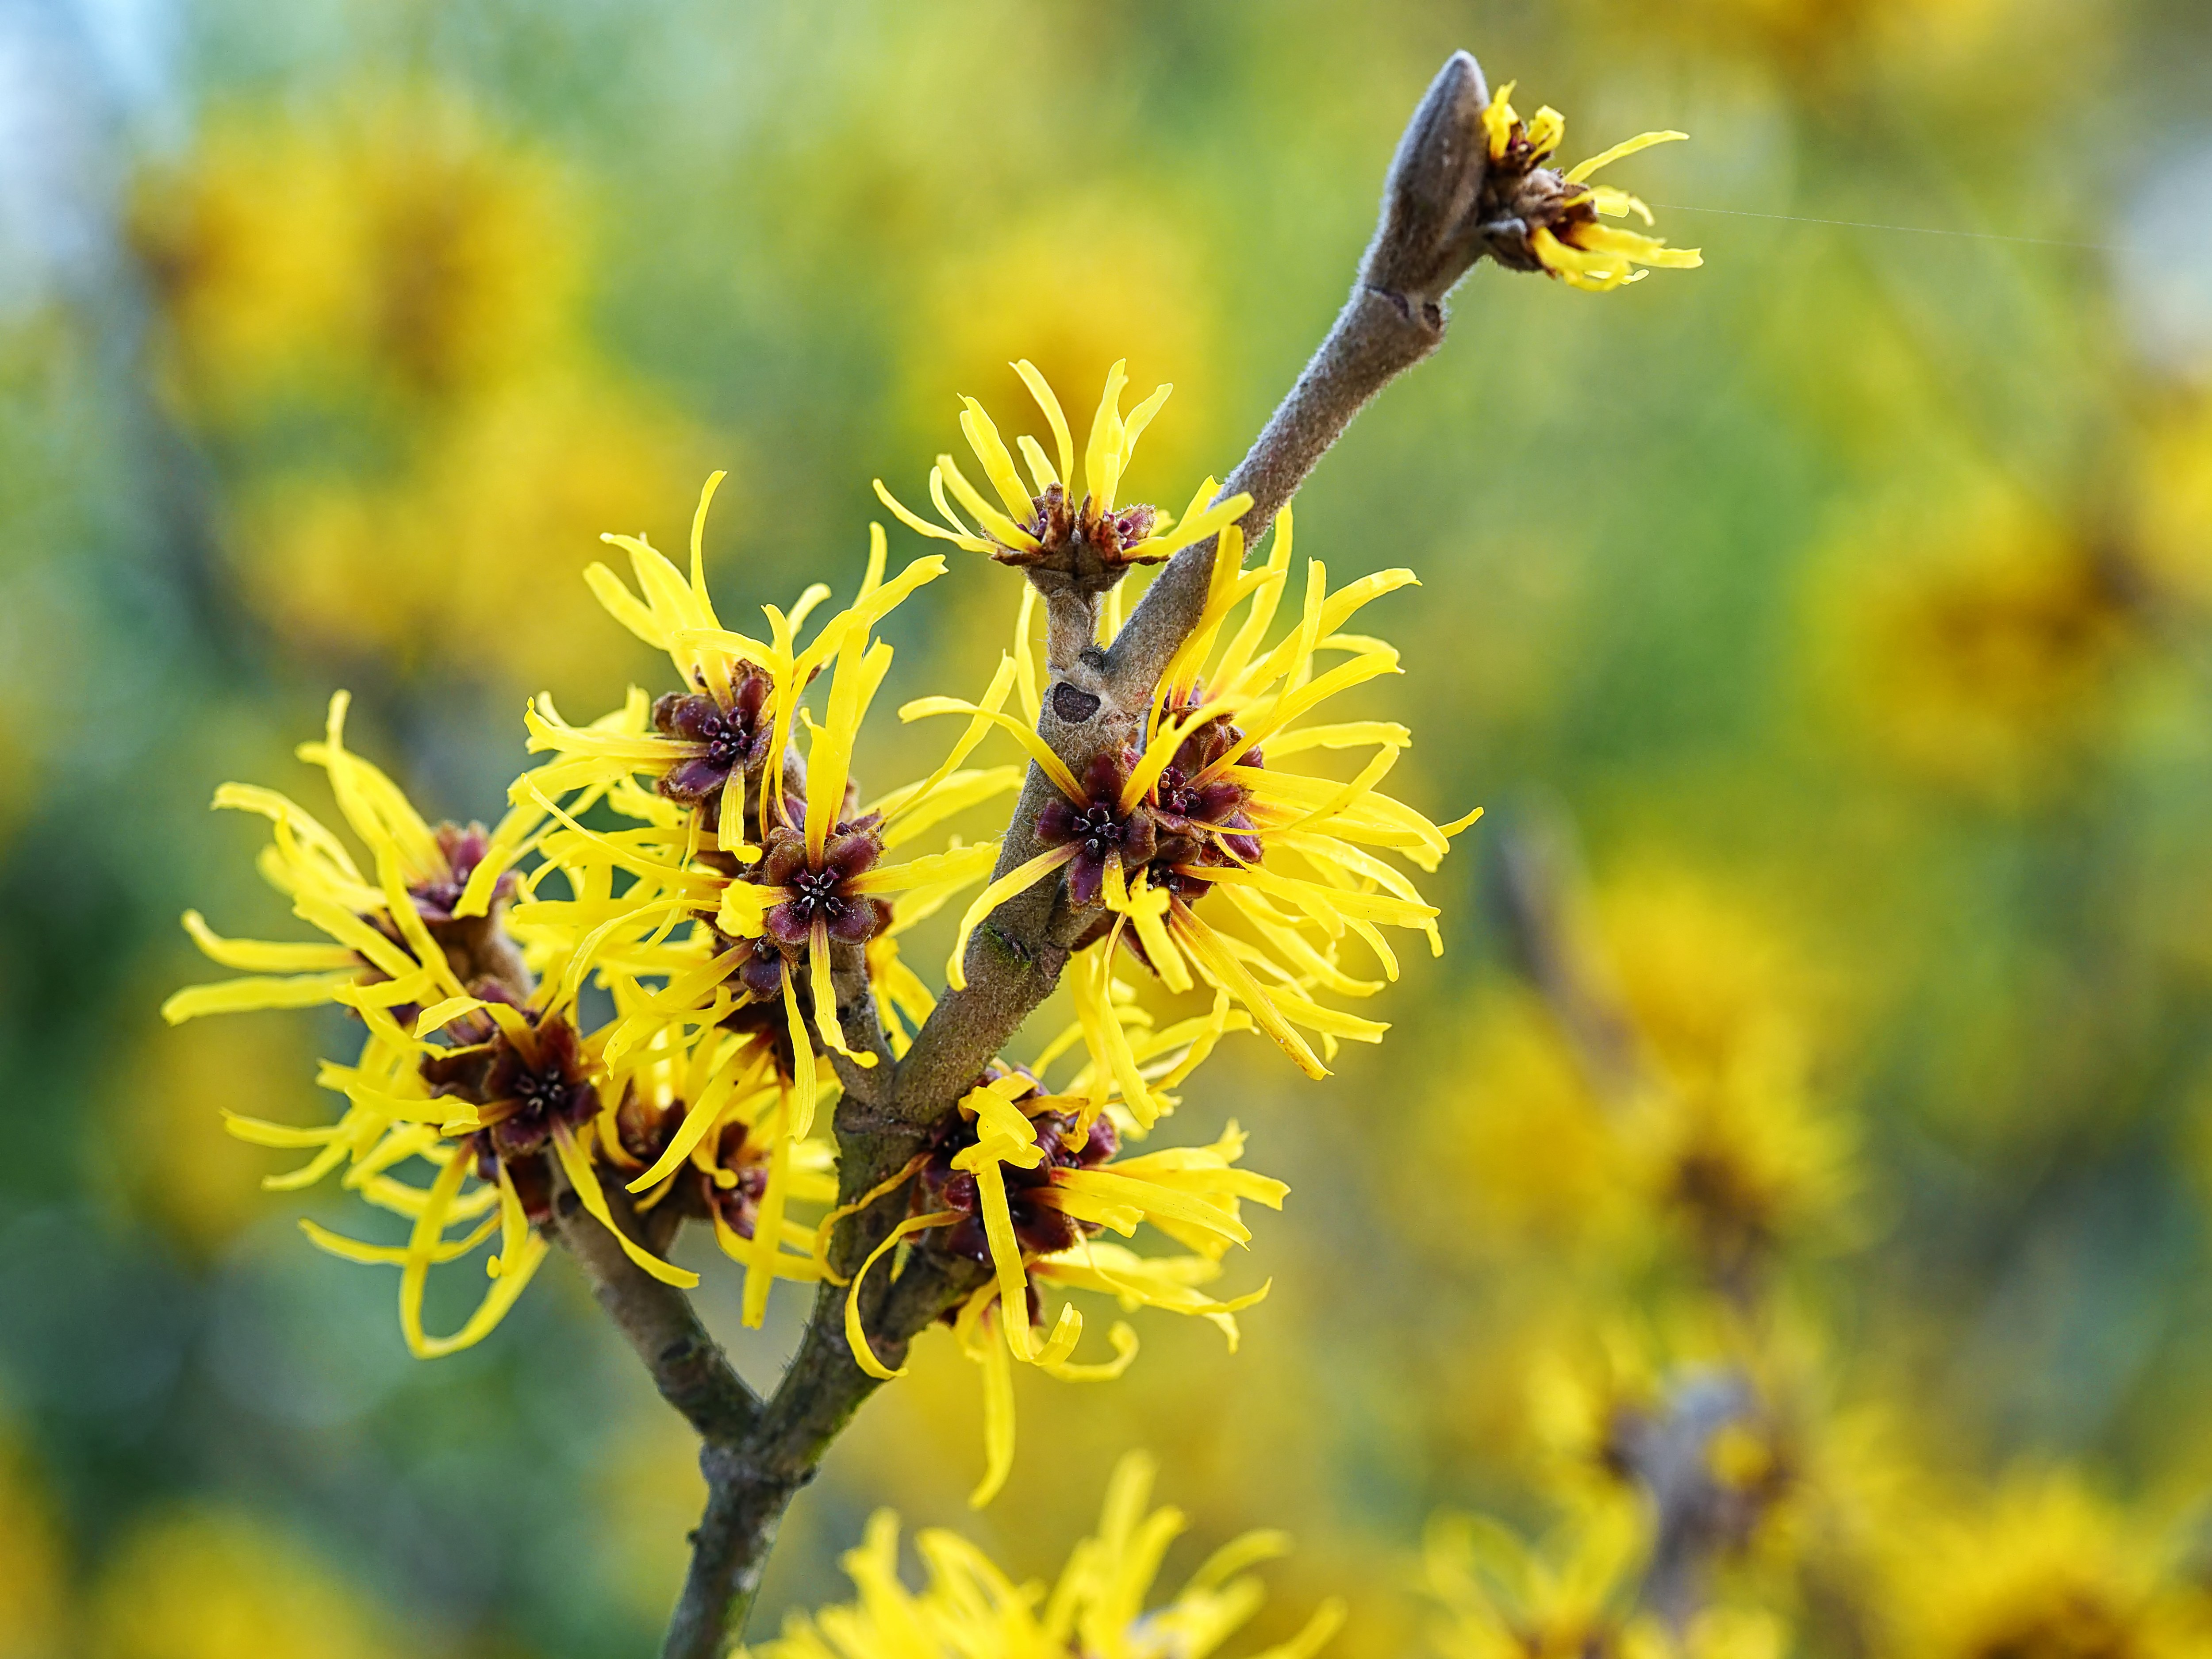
(1202, 820)
(1521, 194)
(1067, 533)
(732, 737)
(646, 1132)
(814, 892)
(821, 892)
(540, 1094)
(522, 1097)
(726, 742)
(463, 850)
(1099, 828)
(1041, 1228)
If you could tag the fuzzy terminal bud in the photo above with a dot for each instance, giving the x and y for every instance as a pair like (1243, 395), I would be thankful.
(1428, 235)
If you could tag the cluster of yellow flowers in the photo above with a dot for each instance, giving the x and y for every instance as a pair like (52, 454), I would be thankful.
(645, 988)
(643, 991)
(740, 872)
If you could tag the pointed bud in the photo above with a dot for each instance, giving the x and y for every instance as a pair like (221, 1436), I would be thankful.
(1427, 236)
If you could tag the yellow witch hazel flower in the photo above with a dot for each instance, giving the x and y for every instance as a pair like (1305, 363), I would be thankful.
(717, 1123)
(720, 922)
(969, 1609)
(472, 1063)
(769, 855)
(426, 894)
(1536, 219)
(740, 827)
(1200, 809)
(684, 939)
(726, 1131)
(1024, 1181)
(1040, 523)
(707, 1131)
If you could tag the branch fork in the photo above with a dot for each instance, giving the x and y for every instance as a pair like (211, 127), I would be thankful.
(757, 1453)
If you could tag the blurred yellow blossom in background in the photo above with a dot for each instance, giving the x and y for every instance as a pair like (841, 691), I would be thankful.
(473, 557)
(378, 315)
(176, 1162)
(2042, 1566)
(1529, 1151)
(2171, 493)
(1709, 975)
(1126, 283)
(211, 1583)
(390, 245)
(1981, 639)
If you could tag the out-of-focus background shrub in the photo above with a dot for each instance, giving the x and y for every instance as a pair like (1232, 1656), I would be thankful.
(1845, 603)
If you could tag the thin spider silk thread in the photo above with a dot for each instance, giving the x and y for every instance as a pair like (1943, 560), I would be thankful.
(1915, 230)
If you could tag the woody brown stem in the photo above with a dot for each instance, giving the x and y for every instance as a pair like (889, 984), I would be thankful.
(1070, 622)
(1376, 338)
(1424, 241)
(659, 1323)
(753, 1474)
(755, 1461)
(756, 1455)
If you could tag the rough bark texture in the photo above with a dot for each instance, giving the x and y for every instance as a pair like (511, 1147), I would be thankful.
(757, 1454)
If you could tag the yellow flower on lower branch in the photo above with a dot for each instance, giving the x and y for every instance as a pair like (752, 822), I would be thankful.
(474, 1070)
(707, 1136)
(969, 1609)
(1024, 1182)
(410, 927)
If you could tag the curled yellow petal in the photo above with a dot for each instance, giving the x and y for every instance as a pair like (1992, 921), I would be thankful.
(1016, 880)
(1062, 439)
(1583, 170)
(856, 1335)
(585, 1180)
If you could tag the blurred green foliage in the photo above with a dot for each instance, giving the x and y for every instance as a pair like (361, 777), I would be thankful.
(1850, 596)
